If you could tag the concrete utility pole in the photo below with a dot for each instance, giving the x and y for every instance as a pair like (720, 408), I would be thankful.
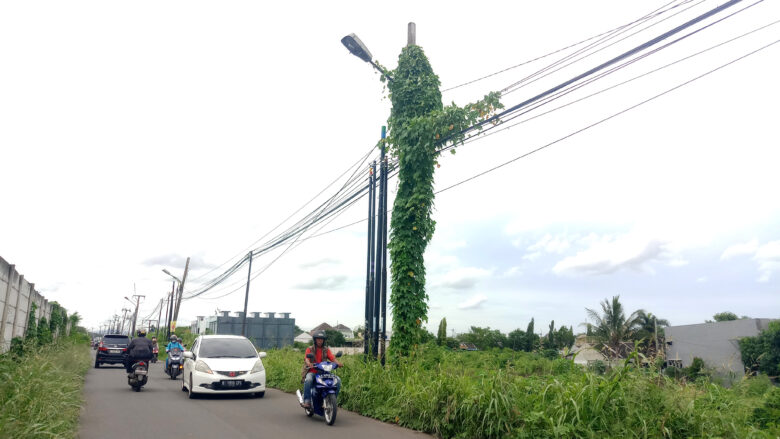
(246, 296)
(411, 34)
(124, 318)
(137, 298)
(181, 291)
(159, 316)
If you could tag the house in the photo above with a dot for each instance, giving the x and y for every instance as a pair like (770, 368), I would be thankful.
(321, 327)
(303, 337)
(586, 352)
(346, 331)
(716, 343)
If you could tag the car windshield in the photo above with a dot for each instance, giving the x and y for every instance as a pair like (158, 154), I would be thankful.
(111, 341)
(227, 348)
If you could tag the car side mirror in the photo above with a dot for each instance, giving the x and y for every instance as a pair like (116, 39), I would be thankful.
(339, 353)
(262, 355)
(189, 355)
(310, 356)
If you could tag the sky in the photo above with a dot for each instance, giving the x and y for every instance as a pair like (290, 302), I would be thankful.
(134, 135)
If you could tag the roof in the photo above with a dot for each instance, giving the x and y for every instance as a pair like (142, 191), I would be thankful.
(341, 326)
(321, 327)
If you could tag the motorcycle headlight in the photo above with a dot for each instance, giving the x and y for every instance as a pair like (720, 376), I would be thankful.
(258, 367)
(320, 380)
(327, 367)
(201, 366)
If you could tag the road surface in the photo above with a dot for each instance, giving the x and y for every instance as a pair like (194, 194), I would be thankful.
(161, 410)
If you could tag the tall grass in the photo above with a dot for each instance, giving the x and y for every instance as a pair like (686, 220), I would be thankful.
(504, 394)
(41, 392)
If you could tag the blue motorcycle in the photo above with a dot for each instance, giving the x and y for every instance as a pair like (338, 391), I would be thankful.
(323, 391)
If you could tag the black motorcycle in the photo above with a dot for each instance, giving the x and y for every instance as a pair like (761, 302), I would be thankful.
(139, 375)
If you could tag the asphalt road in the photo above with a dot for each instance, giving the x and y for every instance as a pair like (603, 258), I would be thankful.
(161, 410)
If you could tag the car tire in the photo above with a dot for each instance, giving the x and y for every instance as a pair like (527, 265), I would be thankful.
(259, 394)
(190, 393)
(97, 364)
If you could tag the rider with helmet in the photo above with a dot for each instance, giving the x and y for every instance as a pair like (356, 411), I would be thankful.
(320, 352)
(175, 343)
(140, 348)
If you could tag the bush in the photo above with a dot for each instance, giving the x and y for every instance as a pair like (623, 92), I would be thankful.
(41, 391)
(769, 413)
(598, 367)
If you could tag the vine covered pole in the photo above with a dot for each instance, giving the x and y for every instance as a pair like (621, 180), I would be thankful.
(369, 259)
(383, 245)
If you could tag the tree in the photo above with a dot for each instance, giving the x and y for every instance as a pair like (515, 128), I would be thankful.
(516, 340)
(297, 331)
(647, 323)
(549, 341)
(32, 326)
(335, 338)
(531, 339)
(762, 353)
(725, 316)
(441, 336)
(484, 338)
(74, 321)
(564, 338)
(612, 328)
(419, 126)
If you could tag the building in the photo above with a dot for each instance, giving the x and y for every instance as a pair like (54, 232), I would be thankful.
(322, 327)
(304, 337)
(716, 343)
(585, 353)
(265, 332)
(346, 331)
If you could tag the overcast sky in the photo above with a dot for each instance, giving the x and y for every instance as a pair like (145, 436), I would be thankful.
(133, 135)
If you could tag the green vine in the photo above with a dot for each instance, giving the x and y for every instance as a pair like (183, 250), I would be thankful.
(419, 126)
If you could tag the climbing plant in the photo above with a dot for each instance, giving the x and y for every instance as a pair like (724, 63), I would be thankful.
(419, 126)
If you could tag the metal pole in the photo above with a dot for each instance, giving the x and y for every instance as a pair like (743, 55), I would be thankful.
(369, 260)
(383, 244)
(378, 263)
(246, 296)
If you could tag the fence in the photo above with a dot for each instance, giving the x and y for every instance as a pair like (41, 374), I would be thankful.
(16, 298)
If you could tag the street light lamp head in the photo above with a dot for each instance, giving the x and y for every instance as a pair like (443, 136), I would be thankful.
(356, 47)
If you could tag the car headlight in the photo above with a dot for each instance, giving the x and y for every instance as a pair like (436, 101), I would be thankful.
(201, 366)
(258, 367)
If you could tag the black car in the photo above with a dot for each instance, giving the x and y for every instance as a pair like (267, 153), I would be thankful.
(112, 349)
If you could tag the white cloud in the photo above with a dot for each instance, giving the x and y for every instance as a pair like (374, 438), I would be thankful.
(768, 258)
(702, 279)
(609, 255)
(463, 278)
(550, 244)
(513, 271)
(744, 249)
(475, 302)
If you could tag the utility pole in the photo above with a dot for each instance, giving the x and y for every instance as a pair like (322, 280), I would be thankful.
(124, 317)
(137, 298)
(655, 330)
(181, 291)
(246, 295)
(411, 34)
(169, 310)
(159, 316)
(370, 260)
(383, 244)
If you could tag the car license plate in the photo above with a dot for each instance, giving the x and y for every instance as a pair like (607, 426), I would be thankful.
(115, 351)
(231, 383)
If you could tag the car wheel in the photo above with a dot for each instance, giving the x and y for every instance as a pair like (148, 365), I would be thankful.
(259, 394)
(190, 393)
(330, 409)
(97, 364)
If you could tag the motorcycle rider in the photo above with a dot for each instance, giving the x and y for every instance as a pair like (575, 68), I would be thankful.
(317, 349)
(174, 344)
(155, 348)
(140, 348)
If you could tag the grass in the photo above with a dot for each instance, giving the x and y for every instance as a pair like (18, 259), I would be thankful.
(41, 392)
(506, 394)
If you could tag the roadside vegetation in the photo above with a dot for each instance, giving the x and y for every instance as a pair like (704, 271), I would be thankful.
(41, 380)
(503, 393)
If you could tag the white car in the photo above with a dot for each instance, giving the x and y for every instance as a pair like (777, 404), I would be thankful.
(223, 364)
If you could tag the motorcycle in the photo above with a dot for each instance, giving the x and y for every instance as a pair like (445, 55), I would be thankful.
(139, 375)
(323, 392)
(155, 352)
(175, 363)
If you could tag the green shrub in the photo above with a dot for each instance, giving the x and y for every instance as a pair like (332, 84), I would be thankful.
(769, 413)
(40, 392)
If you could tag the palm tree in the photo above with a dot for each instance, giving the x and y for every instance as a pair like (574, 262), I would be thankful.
(612, 328)
(647, 324)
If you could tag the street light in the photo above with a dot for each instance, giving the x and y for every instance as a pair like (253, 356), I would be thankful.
(169, 274)
(357, 48)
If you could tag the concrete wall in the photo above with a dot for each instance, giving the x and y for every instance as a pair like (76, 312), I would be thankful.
(272, 331)
(16, 297)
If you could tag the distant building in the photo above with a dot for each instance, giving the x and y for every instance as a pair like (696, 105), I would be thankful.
(586, 352)
(265, 332)
(346, 331)
(303, 337)
(321, 327)
(468, 346)
(716, 343)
